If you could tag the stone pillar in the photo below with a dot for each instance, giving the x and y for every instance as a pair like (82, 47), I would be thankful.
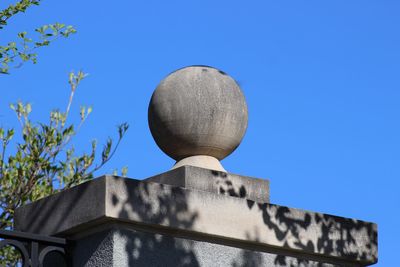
(196, 214)
(114, 221)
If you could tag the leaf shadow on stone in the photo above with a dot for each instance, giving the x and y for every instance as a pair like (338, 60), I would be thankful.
(338, 236)
(143, 247)
(163, 206)
(287, 224)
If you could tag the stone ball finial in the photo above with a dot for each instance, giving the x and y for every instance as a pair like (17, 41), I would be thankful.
(198, 116)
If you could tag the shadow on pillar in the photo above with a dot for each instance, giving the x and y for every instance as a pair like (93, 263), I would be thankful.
(149, 249)
(337, 238)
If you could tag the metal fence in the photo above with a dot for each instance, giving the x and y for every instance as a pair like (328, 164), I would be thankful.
(34, 249)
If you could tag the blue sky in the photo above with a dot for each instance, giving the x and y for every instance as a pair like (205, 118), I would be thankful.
(321, 79)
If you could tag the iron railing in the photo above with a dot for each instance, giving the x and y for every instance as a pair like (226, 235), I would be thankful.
(33, 247)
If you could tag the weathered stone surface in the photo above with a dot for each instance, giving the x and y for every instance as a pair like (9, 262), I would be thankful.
(216, 182)
(93, 250)
(121, 246)
(200, 215)
(198, 110)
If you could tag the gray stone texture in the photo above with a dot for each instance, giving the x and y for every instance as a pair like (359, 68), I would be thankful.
(198, 110)
(203, 216)
(96, 249)
(216, 182)
(121, 246)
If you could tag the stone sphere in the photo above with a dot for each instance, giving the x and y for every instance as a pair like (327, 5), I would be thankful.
(198, 110)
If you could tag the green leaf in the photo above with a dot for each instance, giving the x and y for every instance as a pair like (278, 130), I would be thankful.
(22, 35)
(10, 134)
(124, 171)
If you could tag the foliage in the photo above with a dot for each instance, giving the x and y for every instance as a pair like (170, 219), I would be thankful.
(43, 163)
(14, 54)
(12, 10)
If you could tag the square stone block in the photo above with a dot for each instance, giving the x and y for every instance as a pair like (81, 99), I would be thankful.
(216, 182)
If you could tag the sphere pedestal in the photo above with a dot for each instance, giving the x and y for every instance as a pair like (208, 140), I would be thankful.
(201, 161)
